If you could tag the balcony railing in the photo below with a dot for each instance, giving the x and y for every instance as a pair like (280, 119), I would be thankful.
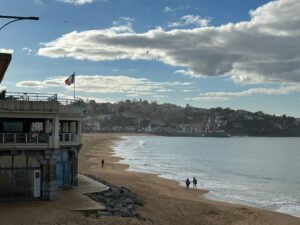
(24, 138)
(39, 97)
(67, 137)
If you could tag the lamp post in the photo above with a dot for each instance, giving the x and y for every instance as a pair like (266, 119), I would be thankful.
(17, 18)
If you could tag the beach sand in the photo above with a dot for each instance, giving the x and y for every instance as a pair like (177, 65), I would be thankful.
(166, 202)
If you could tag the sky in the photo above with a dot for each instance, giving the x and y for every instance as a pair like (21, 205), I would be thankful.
(205, 53)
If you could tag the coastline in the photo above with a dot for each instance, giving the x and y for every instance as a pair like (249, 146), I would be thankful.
(166, 201)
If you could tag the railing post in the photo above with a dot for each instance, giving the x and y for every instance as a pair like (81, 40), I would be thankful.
(15, 138)
(26, 138)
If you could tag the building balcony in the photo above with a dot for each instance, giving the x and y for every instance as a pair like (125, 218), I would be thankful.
(39, 102)
(69, 139)
(24, 138)
(36, 140)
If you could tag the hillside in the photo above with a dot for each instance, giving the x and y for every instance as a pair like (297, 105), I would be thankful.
(170, 119)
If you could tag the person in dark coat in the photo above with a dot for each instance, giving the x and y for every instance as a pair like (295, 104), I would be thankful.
(102, 163)
(194, 182)
(187, 182)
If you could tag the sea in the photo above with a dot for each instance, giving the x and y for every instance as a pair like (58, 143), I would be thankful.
(256, 171)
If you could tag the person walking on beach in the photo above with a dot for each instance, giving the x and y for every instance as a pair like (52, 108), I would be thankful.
(194, 182)
(102, 163)
(187, 182)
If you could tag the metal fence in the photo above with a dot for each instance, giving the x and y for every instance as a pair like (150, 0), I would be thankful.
(24, 138)
(44, 97)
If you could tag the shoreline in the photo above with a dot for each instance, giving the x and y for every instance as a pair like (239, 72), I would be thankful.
(207, 194)
(166, 198)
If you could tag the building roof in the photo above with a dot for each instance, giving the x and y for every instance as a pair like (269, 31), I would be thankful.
(5, 59)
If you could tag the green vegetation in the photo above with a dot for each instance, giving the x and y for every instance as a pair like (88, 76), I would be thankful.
(170, 119)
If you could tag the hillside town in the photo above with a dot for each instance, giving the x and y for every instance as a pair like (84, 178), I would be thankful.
(169, 119)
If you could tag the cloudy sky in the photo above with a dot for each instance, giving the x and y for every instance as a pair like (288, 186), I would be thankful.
(206, 53)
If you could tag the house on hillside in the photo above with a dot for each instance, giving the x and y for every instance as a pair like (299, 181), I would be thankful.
(39, 143)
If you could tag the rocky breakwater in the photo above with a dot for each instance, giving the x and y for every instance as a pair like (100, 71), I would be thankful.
(119, 201)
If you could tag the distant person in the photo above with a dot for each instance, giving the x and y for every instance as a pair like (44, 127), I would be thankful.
(187, 182)
(194, 182)
(102, 163)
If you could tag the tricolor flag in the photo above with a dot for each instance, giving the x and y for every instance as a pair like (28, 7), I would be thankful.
(70, 80)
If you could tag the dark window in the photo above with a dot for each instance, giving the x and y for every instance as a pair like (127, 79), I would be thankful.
(12, 127)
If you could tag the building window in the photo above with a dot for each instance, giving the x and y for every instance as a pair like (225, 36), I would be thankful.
(12, 127)
(37, 127)
(17, 176)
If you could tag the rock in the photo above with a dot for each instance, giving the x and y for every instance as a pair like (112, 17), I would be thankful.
(124, 190)
(139, 201)
(118, 201)
(124, 212)
(128, 201)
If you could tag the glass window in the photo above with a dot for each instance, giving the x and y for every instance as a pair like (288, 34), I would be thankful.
(12, 127)
(5, 161)
(65, 127)
(73, 127)
(32, 162)
(19, 161)
(37, 127)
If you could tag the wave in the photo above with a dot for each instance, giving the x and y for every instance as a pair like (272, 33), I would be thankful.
(159, 155)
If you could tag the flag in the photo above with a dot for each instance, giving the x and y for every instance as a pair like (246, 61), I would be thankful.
(70, 80)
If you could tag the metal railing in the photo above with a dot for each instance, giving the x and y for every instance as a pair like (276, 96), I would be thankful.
(67, 137)
(24, 138)
(30, 96)
(39, 97)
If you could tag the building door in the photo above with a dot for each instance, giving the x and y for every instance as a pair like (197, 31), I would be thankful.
(37, 184)
(63, 170)
(59, 174)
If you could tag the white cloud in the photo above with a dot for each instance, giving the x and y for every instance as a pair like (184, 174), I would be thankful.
(109, 85)
(221, 96)
(28, 51)
(190, 20)
(169, 9)
(124, 21)
(4, 50)
(39, 2)
(84, 98)
(77, 2)
(264, 49)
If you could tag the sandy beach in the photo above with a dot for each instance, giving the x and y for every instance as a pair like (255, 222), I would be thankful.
(166, 201)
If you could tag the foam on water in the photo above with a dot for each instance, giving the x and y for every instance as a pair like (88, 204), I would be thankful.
(231, 174)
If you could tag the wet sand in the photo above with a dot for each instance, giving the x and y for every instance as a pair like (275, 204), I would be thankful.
(166, 201)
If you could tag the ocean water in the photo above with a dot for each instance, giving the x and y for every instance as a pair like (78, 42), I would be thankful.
(261, 172)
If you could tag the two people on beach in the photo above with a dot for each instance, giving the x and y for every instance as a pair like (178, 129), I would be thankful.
(187, 182)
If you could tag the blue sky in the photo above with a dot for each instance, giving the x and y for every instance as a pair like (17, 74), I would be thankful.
(206, 53)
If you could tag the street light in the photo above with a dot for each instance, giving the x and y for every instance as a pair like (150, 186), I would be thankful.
(17, 18)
